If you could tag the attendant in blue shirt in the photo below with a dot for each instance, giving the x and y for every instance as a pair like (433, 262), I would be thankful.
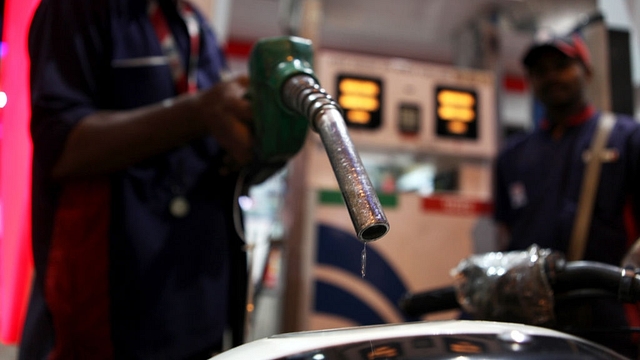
(136, 145)
(539, 175)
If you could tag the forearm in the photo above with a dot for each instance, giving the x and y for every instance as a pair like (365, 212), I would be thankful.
(108, 141)
(632, 257)
(503, 237)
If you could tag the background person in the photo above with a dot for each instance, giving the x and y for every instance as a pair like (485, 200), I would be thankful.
(539, 174)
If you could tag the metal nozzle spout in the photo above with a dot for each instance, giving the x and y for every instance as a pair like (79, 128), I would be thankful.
(303, 94)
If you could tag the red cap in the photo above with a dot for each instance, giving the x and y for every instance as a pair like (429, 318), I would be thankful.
(572, 46)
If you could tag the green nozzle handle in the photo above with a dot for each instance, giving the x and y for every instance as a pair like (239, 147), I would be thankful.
(280, 132)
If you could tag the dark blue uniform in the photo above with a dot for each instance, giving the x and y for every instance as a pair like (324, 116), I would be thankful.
(538, 181)
(174, 283)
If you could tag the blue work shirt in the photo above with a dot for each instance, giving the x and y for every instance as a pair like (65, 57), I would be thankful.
(538, 181)
(174, 283)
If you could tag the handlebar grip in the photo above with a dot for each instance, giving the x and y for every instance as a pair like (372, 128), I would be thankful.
(567, 278)
(431, 301)
(579, 275)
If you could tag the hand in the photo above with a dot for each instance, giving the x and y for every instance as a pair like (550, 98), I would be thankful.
(503, 237)
(228, 116)
(632, 258)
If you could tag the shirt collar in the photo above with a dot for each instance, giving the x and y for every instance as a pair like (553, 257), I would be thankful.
(574, 120)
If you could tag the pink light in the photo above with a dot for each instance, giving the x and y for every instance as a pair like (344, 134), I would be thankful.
(16, 265)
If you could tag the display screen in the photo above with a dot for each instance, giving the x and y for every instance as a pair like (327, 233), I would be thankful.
(456, 113)
(361, 100)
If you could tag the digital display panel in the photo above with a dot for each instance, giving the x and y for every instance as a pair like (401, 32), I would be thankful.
(361, 100)
(456, 113)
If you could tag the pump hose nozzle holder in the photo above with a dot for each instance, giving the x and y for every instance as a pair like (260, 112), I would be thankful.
(301, 93)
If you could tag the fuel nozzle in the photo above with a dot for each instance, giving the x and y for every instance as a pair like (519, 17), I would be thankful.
(286, 96)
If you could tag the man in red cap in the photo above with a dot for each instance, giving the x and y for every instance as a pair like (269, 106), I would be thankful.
(539, 175)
